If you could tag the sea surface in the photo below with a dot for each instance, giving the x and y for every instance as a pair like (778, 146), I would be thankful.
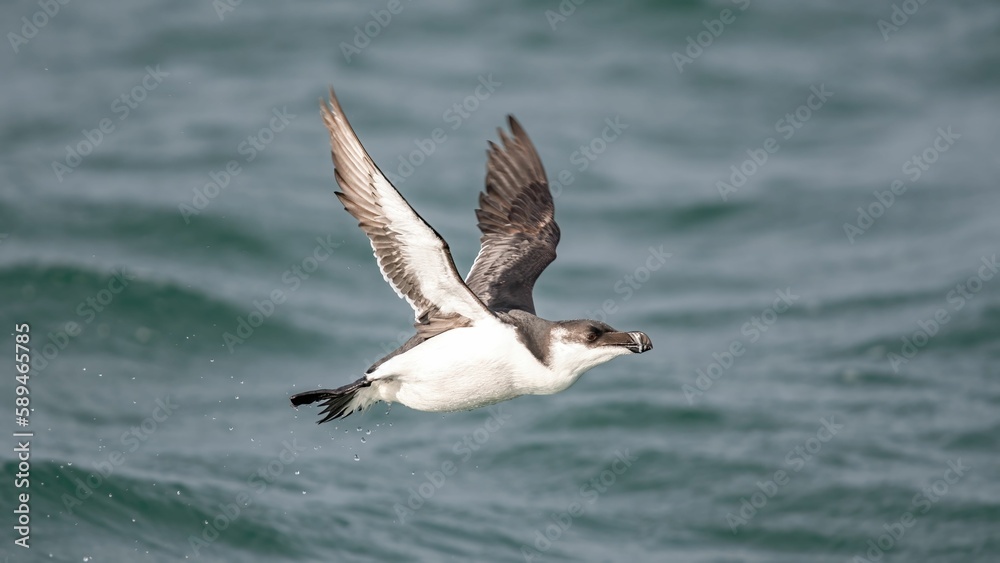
(797, 201)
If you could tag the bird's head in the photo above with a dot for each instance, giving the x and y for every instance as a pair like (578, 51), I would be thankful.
(580, 345)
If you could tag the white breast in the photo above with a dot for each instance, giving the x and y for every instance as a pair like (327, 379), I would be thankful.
(464, 368)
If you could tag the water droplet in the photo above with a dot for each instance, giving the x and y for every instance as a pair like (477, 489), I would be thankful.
(363, 440)
(356, 458)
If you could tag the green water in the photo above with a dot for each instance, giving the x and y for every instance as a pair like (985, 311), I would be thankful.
(823, 376)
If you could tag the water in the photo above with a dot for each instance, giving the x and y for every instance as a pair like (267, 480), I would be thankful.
(815, 428)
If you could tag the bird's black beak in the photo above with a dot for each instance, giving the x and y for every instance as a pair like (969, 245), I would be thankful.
(637, 342)
(642, 343)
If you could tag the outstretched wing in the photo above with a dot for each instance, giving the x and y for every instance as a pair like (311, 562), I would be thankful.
(412, 256)
(517, 218)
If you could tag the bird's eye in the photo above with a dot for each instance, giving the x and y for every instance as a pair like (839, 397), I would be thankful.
(593, 334)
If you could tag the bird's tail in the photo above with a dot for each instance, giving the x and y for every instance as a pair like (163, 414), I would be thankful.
(339, 402)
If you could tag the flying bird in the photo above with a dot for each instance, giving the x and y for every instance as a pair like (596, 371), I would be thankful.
(478, 341)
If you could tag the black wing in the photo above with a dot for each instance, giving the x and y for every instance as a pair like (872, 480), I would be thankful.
(517, 218)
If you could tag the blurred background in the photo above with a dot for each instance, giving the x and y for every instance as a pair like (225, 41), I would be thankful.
(796, 201)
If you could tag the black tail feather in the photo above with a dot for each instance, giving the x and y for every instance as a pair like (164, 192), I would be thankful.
(336, 401)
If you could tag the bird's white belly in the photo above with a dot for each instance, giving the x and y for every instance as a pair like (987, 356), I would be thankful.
(463, 368)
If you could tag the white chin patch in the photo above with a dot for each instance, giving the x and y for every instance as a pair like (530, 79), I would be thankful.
(573, 359)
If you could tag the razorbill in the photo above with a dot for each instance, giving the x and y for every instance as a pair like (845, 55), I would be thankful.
(478, 342)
